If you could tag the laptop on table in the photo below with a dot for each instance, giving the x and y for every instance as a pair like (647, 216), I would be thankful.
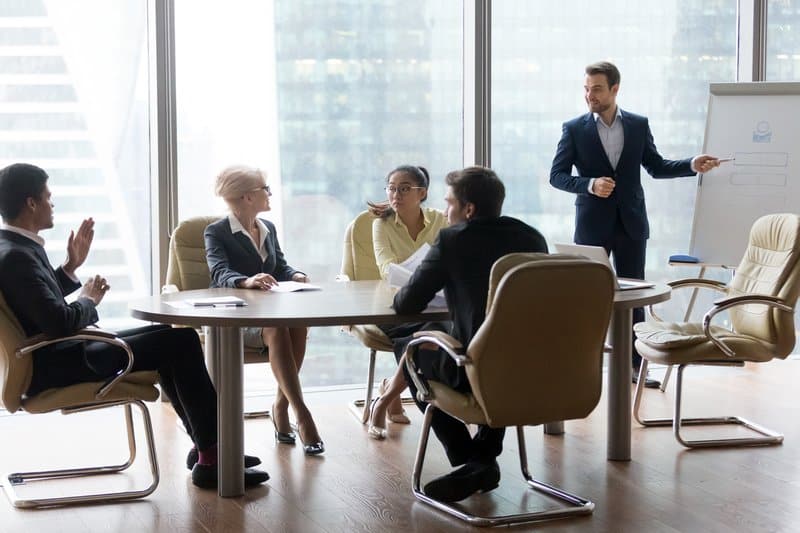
(598, 253)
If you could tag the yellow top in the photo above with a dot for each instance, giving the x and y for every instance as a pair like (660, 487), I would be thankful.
(392, 242)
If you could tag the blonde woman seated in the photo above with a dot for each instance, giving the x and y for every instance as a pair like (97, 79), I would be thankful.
(401, 228)
(243, 251)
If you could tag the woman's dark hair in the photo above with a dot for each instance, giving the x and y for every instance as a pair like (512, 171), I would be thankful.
(18, 182)
(418, 174)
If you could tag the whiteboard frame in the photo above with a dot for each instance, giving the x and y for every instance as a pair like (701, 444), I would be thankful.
(750, 88)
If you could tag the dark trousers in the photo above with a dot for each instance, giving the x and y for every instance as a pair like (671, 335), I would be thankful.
(459, 445)
(175, 353)
(629, 259)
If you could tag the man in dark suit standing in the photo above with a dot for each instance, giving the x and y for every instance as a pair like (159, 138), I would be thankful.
(35, 292)
(607, 146)
(460, 261)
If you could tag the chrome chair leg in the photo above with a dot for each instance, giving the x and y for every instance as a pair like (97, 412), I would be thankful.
(768, 436)
(10, 481)
(665, 381)
(360, 408)
(579, 506)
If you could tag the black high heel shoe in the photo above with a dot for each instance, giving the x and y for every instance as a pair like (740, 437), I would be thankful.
(312, 448)
(315, 448)
(281, 437)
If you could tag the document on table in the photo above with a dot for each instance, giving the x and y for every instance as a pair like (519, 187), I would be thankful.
(292, 286)
(399, 274)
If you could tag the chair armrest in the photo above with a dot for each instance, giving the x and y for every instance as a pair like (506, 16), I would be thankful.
(450, 345)
(726, 303)
(86, 334)
(696, 283)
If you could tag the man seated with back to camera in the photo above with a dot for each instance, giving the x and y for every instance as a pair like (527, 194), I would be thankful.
(460, 261)
(35, 292)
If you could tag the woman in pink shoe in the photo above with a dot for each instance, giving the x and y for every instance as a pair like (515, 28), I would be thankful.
(402, 227)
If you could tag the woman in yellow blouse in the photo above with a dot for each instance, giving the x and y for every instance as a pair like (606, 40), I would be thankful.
(401, 228)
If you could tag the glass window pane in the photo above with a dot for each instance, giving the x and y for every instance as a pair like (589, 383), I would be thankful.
(327, 97)
(783, 40)
(667, 53)
(74, 100)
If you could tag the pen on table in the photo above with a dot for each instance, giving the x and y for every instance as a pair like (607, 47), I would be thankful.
(227, 305)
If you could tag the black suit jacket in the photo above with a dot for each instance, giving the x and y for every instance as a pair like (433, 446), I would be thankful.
(460, 261)
(232, 257)
(35, 294)
(580, 147)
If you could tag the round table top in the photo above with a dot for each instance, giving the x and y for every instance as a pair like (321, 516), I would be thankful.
(632, 298)
(334, 304)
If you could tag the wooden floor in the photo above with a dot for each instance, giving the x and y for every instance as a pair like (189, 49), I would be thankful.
(364, 485)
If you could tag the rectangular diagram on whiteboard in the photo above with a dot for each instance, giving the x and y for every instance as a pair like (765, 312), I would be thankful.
(757, 126)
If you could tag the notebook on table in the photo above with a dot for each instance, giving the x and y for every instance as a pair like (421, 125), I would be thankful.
(598, 253)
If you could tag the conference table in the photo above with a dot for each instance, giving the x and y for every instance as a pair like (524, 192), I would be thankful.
(350, 303)
(333, 304)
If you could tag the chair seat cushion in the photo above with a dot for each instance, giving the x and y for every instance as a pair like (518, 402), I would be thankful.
(137, 385)
(682, 342)
(668, 335)
(458, 404)
(372, 337)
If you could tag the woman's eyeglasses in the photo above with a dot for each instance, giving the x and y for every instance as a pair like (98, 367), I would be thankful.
(265, 188)
(402, 189)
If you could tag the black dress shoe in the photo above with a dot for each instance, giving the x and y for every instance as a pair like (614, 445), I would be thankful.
(249, 460)
(205, 476)
(463, 482)
(648, 382)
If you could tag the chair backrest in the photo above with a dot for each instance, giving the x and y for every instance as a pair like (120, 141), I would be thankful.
(771, 266)
(538, 355)
(15, 373)
(187, 268)
(358, 256)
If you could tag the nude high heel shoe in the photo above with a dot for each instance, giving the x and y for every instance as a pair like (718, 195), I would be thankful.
(398, 417)
(374, 431)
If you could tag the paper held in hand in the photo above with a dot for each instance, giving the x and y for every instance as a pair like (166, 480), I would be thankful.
(399, 274)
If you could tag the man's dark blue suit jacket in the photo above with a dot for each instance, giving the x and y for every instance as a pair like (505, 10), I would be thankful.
(580, 147)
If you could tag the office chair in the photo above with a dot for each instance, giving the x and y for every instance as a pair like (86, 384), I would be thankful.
(537, 358)
(126, 389)
(760, 299)
(358, 263)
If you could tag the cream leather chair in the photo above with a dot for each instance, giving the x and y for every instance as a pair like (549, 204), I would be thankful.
(187, 270)
(537, 358)
(126, 389)
(760, 299)
(358, 263)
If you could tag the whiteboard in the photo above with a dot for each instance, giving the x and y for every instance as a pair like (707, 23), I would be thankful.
(759, 125)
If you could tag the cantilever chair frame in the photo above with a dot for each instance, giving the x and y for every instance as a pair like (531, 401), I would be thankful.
(578, 504)
(14, 479)
(768, 436)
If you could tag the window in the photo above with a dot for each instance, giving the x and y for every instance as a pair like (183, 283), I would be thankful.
(667, 54)
(327, 97)
(783, 40)
(80, 110)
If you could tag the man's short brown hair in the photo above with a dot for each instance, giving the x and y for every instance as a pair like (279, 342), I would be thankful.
(479, 186)
(609, 70)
